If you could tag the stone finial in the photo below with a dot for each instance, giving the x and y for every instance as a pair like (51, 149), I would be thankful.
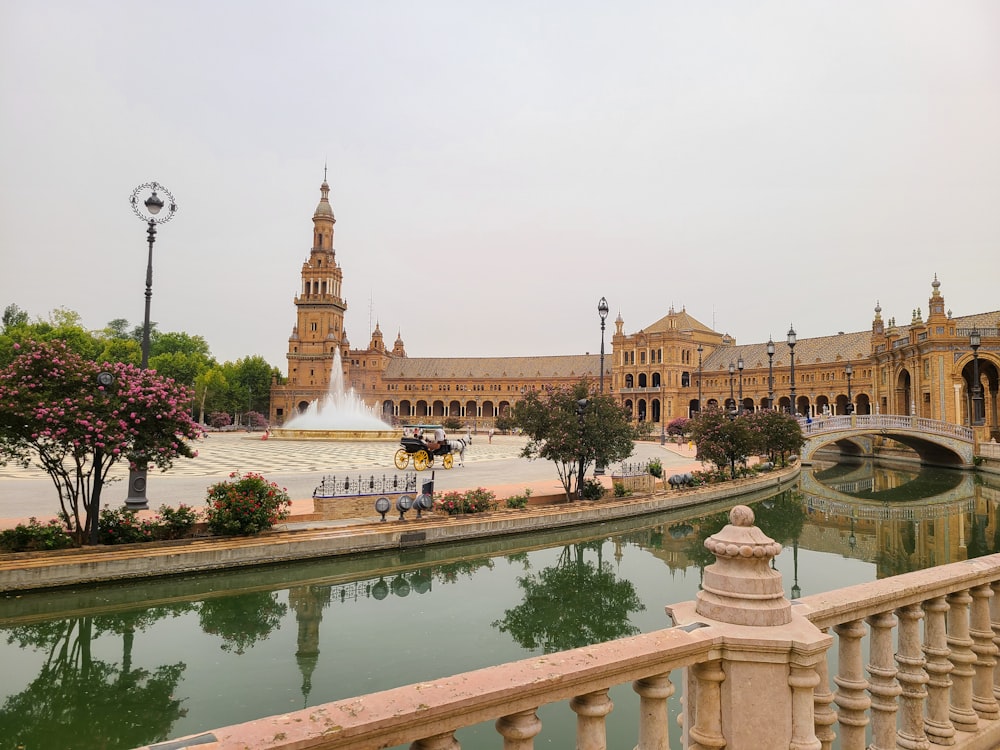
(740, 588)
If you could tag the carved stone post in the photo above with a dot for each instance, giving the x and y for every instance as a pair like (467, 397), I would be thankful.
(654, 732)
(764, 645)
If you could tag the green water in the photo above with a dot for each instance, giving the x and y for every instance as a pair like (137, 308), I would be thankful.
(125, 665)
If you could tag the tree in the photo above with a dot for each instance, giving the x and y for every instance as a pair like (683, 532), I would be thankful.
(776, 433)
(13, 317)
(573, 428)
(53, 408)
(209, 383)
(722, 439)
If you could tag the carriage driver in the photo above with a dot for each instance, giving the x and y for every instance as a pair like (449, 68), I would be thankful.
(437, 441)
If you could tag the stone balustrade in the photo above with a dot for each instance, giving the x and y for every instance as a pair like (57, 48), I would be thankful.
(752, 665)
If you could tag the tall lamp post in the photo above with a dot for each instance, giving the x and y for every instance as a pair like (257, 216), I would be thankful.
(602, 311)
(732, 401)
(149, 210)
(848, 371)
(700, 350)
(739, 366)
(770, 373)
(977, 388)
(791, 347)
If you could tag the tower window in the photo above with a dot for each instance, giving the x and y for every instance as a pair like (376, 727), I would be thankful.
(313, 326)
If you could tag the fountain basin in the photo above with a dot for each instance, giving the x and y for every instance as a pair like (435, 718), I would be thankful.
(384, 436)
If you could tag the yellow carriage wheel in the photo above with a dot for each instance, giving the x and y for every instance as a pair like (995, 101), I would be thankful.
(448, 461)
(421, 460)
(402, 458)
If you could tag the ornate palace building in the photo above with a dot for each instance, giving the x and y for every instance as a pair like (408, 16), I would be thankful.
(666, 370)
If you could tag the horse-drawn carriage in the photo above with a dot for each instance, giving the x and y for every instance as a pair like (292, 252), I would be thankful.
(423, 457)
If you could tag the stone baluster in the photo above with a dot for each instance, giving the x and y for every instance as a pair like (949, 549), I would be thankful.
(654, 731)
(519, 730)
(851, 697)
(937, 724)
(995, 626)
(882, 683)
(825, 716)
(983, 701)
(912, 679)
(444, 741)
(706, 733)
(591, 708)
(960, 711)
(803, 679)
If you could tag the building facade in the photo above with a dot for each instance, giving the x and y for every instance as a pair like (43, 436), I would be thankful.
(672, 368)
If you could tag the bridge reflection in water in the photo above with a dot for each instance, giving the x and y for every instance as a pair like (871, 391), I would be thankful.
(188, 655)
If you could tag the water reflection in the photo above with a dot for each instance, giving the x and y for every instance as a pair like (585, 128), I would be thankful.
(126, 665)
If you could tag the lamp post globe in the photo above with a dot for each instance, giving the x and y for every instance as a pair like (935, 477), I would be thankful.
(791, 339)
(770, 373)
(151, 211)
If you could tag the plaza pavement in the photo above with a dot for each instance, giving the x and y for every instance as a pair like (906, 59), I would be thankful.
(299, 466)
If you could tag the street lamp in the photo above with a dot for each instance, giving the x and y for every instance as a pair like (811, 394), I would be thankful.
(104, 381)
(770, 373)
(700, 350)
(739, 366)
(602, 311)
(977, 388)
(850, 401)
(153, 204)
(581, 408)
(732, 401)
(791, 347)
(663, 420)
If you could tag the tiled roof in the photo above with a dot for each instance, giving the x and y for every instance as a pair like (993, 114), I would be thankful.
(428, 368)
(681, 322)
(841, 347)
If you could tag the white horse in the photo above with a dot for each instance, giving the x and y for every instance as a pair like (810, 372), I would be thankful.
(458, 445)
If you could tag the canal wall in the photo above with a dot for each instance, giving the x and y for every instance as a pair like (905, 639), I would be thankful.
(35, 571)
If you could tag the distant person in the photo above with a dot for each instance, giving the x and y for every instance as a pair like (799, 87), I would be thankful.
(491, 435)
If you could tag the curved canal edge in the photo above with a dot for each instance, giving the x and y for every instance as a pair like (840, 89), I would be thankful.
(33, 571)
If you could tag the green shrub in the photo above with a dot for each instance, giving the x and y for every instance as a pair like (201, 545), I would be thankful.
(621, 490)
(175, 523)
(655, 467)
(123, 526)
(246, 504)
(591, 490)
(519, 502)
(474, 501)
(32, 536)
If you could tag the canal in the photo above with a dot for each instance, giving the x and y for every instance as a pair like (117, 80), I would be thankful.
(130, 664)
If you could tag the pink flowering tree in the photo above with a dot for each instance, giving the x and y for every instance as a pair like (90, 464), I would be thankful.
(53, 409)
(574, 428)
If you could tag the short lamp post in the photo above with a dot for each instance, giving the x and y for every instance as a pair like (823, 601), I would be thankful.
(739, 366)
(602, 311)
(791, 348)
(732, 400)
(700, 350)
(849, 371)
(149, 210)
(977, 388)
(770, 373)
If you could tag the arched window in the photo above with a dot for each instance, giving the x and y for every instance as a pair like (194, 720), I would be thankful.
(628, 380)
(685, 379)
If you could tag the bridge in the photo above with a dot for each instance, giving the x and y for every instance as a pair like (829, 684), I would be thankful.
(937, 443)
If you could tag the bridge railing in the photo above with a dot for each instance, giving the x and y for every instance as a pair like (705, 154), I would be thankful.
(886, 422)
(929, 679)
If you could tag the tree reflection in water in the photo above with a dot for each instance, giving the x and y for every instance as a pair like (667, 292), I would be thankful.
(241, 621)
(68, 704)
(571, 604)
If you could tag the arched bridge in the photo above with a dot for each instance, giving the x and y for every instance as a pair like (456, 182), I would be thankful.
(937, 443)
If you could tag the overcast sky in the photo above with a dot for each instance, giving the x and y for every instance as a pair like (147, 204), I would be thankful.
(496, 168)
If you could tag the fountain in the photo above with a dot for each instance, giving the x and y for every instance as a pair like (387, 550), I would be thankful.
(339, 415)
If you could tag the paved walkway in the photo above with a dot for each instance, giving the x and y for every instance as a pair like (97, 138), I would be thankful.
(300, 466)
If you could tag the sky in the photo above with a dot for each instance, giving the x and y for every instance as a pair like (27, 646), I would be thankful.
(497, 168)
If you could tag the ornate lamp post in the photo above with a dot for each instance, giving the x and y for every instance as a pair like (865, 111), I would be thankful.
(732, 401)
(602, 311)
(770, 373)
(791, 347)
(700, 350)
(977, 388)
(153, 204)
(848, 371)
(739, 366)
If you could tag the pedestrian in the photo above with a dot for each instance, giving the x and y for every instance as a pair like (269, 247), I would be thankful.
(490, 440)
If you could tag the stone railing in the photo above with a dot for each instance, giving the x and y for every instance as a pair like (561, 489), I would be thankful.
(989, 450)
(936, 687)
(885, 422)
